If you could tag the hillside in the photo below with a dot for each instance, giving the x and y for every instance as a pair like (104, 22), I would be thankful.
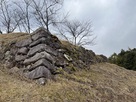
(82, 76)
(101, 83)
(40, 55)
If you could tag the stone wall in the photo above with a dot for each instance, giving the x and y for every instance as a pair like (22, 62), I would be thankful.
(40, 56)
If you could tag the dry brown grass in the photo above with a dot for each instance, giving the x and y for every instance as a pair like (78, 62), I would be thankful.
(11, 37)
(102, 83)
(69, 46)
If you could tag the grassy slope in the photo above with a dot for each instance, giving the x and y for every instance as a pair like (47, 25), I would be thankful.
(11, 37)
(102, 83)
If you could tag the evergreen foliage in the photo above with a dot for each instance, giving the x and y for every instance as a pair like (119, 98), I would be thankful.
(125, 59)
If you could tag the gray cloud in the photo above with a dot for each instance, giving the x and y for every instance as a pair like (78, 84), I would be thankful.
(114, 22)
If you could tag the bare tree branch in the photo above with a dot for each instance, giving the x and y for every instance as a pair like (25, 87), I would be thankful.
(79, 33)
(23, 8)
(46, 12)
(9, 21)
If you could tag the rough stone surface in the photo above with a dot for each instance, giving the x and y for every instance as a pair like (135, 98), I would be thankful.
(0, 46)
(37, 31)
(24, 43)
(43, 62)
(23, 51)
(20, 57)
(14, 70)
(13, 50)
(38, 56)
(1, 56)
(39, 41)
(40, 35)
(39, 72)
(7, 55)
(40, 48)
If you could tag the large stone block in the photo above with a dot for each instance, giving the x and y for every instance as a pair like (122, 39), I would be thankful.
(41, 29)
(38, 56)
(14, 50)
(1, 56)
(40, 48)
(24, 43)
(43, 62)
(39, 72)
(20, 57)
(39, 41)
(40, 35)
(23, 51)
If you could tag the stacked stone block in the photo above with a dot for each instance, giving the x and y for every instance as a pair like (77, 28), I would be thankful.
(39, 55)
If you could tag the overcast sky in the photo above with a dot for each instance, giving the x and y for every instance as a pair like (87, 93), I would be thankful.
(113, 21)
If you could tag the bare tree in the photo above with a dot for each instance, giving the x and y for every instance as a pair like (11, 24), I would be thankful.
(8, 19)
(25, 14)
(23, 10)
(46, 12)
(76, 32)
